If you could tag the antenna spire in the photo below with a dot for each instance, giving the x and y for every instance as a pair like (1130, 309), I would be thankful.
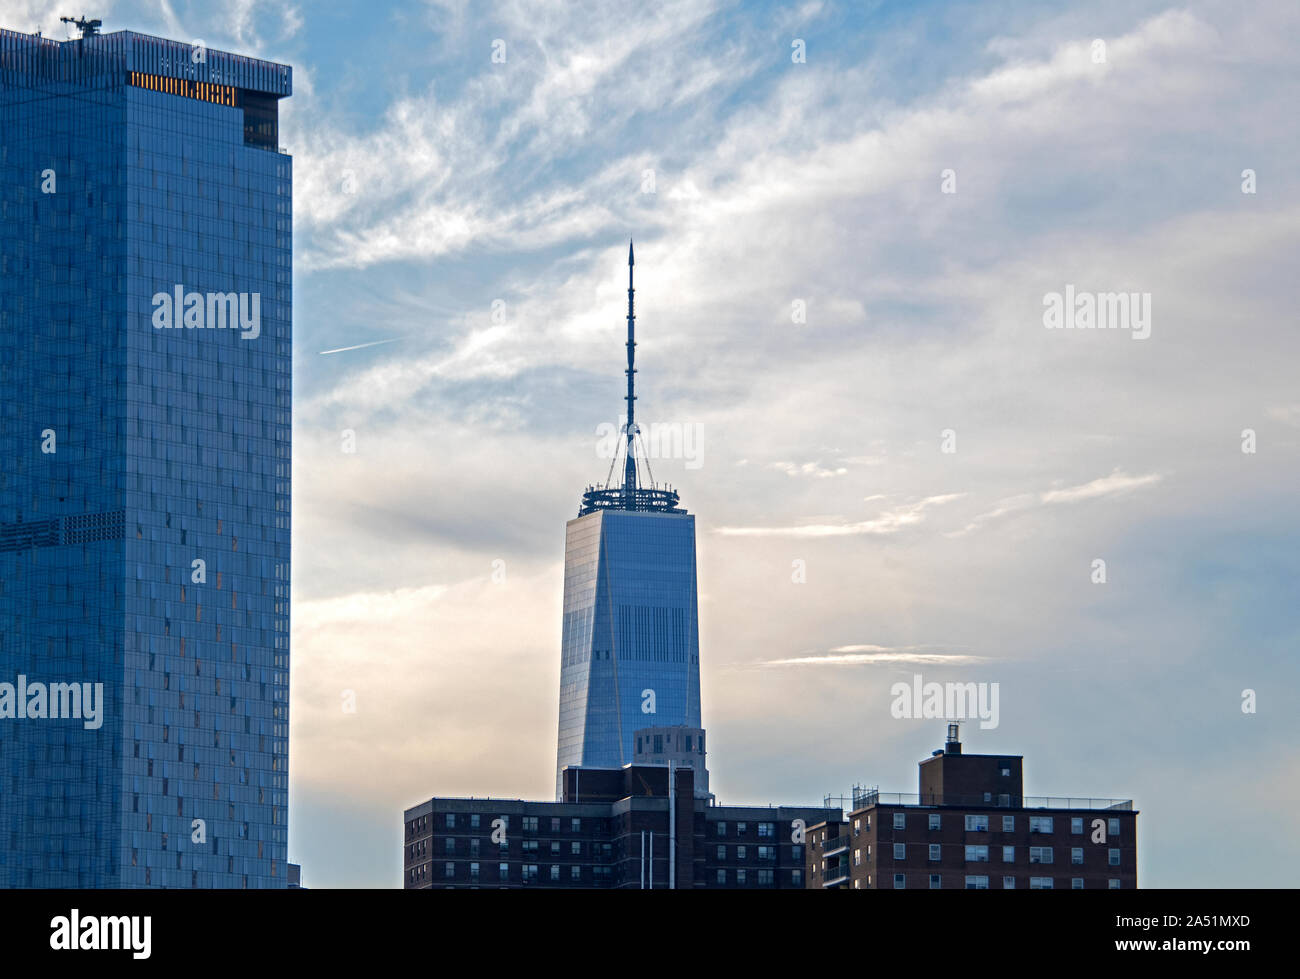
(633, 494)
(629, 471)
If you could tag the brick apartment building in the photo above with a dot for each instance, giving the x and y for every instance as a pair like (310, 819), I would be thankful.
(970, 826)
(613, 828)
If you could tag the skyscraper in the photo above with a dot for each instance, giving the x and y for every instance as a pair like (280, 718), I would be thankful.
(145, 361)
(630, 648)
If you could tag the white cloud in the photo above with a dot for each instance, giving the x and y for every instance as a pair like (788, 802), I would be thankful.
(872, 655)
(1117, 483)
(889, 521)
(815, 469)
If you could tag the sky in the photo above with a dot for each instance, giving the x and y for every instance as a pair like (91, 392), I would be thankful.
(845, 250)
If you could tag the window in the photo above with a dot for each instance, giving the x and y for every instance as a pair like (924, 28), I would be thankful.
(1114, 857)
(575, 825)
(1076, 824)
(767, 853)
(504, 870)
(1113, 884)
(451, 820)
(934, 882)
(722, 876)
(473, 847)
(555, 824)
(1008, 824)
(740, 876)
(934, 851)
(900, 882)
(474, 820)
(900, 851)
(473, 871)
(722, 829)
(977, 882)
(722, 853)
(1040, 824)
(1006, 771)
(857, 826)
(857, 858)
(1008, 854)
(740, 828)
(1008, 883)
(796, 878)
(741, 853)
(900, 820)
(530, 824)
(1112, 826)
(977, 824)
(935, 820)
(766, 830)
(796, 852)
(555, 848)
(449, 845)
(1076, 856)
(555, 873)
(1076, 883)
(977, 854)
(530, 872)
(1040, 854)
(449, 870)
(766, 878)
(575, 848)
(1040, 883)
(575, 873)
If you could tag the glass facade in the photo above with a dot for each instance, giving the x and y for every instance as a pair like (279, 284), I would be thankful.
(145, 361)
(630, 649)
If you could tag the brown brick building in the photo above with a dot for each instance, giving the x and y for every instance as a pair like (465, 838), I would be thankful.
(970, 826)
(614, 828)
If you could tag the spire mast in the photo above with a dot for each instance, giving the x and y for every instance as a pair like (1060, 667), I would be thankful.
(629, 472)
(633, 494)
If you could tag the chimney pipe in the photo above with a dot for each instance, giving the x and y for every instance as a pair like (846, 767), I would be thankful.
(952, 746)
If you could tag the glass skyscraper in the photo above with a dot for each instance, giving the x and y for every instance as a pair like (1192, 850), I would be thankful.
(145, 372)
(630, 647)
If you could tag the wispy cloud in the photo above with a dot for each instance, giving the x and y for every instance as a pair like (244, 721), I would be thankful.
(1115, 484)
(889, 521)
(814, 469)
(872, 655)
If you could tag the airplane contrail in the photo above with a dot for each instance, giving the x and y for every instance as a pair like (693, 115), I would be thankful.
(360, 346)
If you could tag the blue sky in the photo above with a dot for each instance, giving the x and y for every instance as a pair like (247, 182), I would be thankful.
(431, 182)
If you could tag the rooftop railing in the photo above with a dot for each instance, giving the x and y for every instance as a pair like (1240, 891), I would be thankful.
(871, 797)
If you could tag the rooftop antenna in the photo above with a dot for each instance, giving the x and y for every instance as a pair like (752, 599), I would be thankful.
(633, 494)
(88, 28)
(629, 468)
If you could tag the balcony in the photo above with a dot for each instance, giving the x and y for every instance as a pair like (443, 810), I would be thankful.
(833, 876)
(835, 847)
